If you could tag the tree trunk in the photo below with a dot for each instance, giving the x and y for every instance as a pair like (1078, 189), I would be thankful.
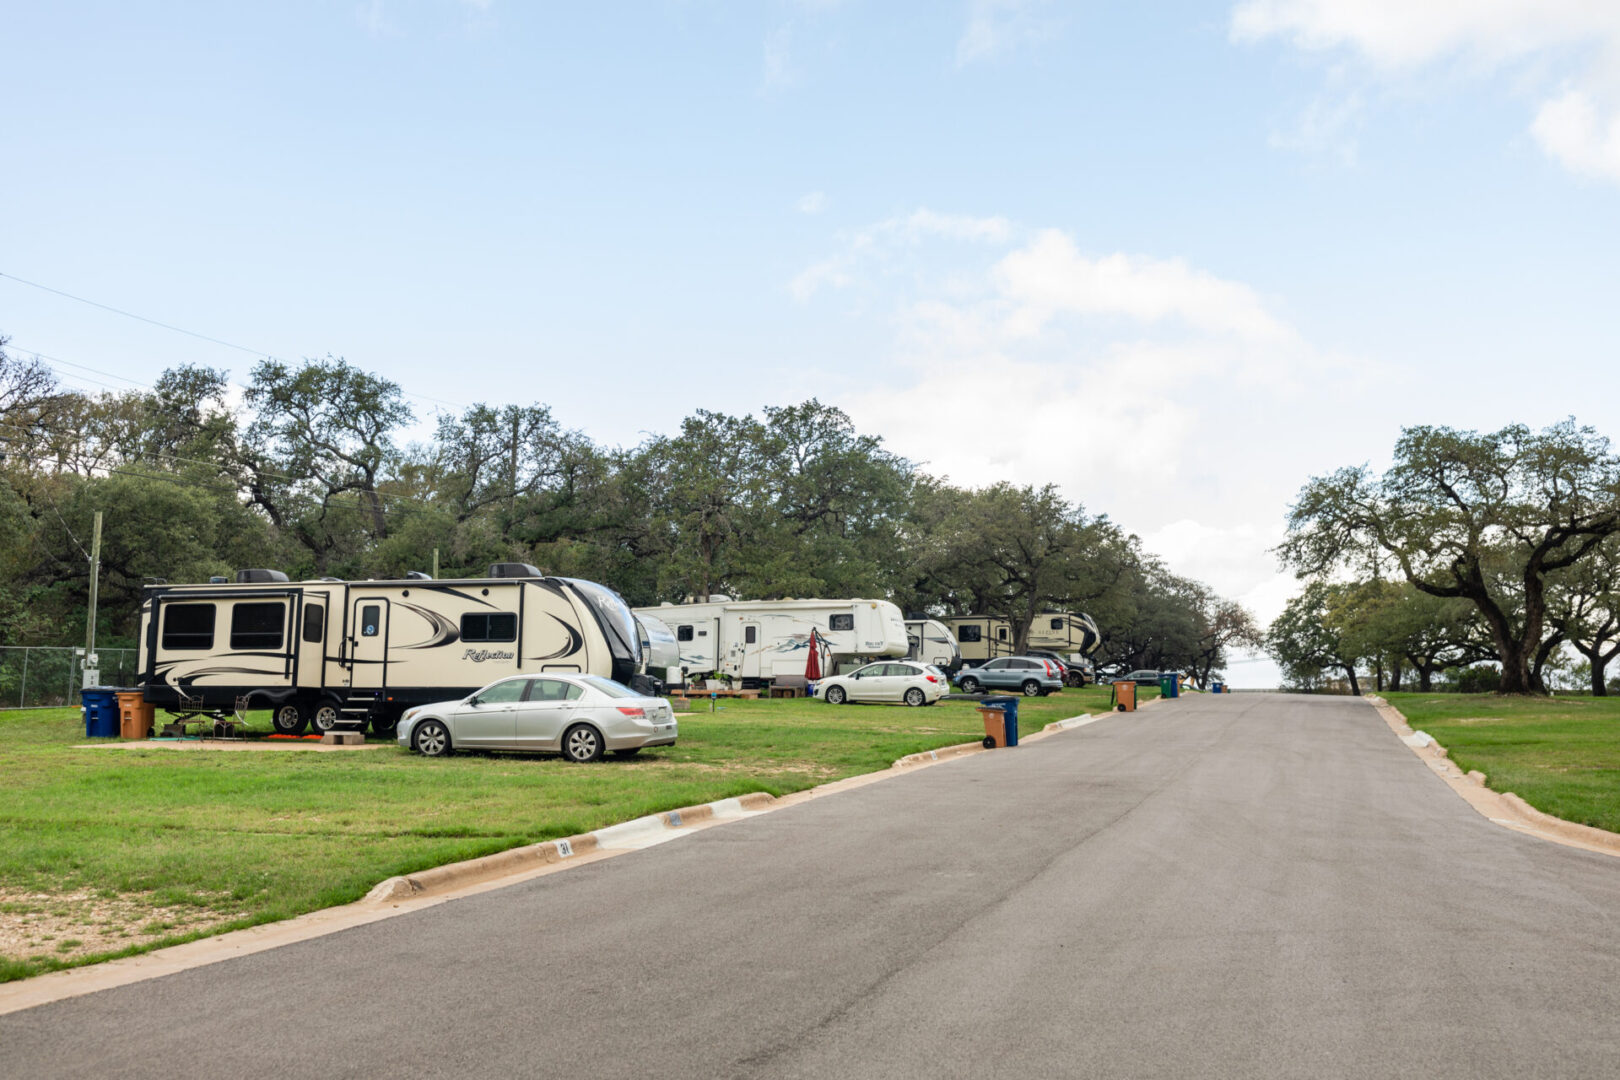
(1425, 679)
(1355, 686)
(1378, 676)
(1395, 678)
(1599, 688)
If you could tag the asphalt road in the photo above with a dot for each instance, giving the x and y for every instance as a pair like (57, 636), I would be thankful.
(1242, 886)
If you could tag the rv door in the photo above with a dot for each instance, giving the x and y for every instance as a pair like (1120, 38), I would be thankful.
(368, 645)
(751, 649)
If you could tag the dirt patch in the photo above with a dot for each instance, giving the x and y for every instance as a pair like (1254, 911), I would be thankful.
(1478, 720)
(44, 926)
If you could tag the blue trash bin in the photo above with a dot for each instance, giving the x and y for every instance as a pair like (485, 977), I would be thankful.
(100, 712)
(1217, 688)
(1009, 707)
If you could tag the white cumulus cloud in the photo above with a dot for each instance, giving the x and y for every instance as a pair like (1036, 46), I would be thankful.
(1574, 130)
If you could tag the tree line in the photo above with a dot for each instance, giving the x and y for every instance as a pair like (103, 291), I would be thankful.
(311, 473)
(1499, 547)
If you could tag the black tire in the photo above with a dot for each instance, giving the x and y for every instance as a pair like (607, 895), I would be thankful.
(1074, 679)
(431, 739)
(836, 695)
(1119, 708)
(915, 697)
(324, 717)
(386, 725)
(989, 743)
(289, 718)
(969, 685)
(1031, 688)
(628, 752)
(582, 743)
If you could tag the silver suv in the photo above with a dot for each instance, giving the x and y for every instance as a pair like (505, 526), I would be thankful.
(1029, 675)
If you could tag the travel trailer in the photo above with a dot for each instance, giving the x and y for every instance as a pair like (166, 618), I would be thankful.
(759, 641)
(981, 637)
(933, 643)
(1067, 633)
(333, 653)
(659, 650)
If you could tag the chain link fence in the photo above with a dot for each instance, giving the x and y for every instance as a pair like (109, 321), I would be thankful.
(48, 676)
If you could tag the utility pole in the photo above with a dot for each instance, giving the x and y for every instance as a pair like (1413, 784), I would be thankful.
(92, 663)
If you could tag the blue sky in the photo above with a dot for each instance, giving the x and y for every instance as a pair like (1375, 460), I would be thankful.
(1173, 257)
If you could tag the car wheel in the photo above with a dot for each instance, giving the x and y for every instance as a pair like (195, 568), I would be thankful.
(1074, 680)
(431, 739)
(970, 685)
(631, 751)
(1031, 688)
(325, 718)
(582, 743)
(836, 695)
(288, 719)
(915, 697)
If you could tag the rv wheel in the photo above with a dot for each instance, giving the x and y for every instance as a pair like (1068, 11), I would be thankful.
(582, 743)
(325, 717)
(915, 696)
(386, 725)
(288, 719)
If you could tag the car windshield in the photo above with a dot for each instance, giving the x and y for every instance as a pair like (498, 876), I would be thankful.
(607, 686)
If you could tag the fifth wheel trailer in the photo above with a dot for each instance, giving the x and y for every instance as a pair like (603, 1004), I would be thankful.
(759, 641)
(332, 653)
(933, 643)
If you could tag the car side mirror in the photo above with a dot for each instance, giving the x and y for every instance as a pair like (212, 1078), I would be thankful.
(473, 700)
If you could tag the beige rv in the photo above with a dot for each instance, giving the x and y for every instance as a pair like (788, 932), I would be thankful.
(1070, 634)
(981, 637)
(333, 653)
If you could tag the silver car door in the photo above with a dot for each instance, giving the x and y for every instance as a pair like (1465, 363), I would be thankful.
(546, 714)
(489, 718)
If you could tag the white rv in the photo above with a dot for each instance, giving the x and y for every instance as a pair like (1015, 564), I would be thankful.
(332, 653)
(758, 641)
(1071, 634)
(660, 652)
(933, 643)
(981, 637)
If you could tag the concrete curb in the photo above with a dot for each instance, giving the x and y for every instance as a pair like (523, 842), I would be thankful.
(1501, 808)
(626, 836)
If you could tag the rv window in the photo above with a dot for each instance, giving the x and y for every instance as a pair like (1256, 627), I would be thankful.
(371, 620)
(841, 622)
(257, 626)
(1001, 633)
(683, 633)
(968, 633)
(314, 622)
(1057, 624)
(495, 626)
(750, 634)
(188, 626)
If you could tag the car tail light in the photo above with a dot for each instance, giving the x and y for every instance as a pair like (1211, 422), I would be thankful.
(632, 710)
(932, 679)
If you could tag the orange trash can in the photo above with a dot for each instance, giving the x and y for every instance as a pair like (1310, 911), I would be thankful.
(995, 726)
(135, 715)
(1125, 696)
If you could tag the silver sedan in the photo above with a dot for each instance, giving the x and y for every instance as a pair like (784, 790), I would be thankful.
(578, 716)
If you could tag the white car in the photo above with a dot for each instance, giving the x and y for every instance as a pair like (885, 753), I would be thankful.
(578, 716)
(888, 680)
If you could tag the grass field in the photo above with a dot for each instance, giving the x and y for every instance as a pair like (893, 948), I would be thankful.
(1561, 754)
(105, 852)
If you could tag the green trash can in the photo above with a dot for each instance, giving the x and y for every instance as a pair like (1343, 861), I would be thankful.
(1169, 684)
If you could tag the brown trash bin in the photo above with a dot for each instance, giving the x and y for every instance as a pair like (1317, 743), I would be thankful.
(1124, 698)
(135, 715)
(995, 726)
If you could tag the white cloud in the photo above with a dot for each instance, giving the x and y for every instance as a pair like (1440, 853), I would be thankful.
(995, 27)
(813, 203)
(779, 71)
(1572, 129)
(1050, 276)
(1580, 39)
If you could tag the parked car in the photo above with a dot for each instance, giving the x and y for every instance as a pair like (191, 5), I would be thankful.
(1026, 674)
(911, 682)
(578, 716)
(1140, 675)
(1071, 673)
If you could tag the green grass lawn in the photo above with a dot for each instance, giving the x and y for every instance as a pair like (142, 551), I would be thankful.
(105, 852)
(1560, 755)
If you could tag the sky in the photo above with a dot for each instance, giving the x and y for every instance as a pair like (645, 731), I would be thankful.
(1174, 258)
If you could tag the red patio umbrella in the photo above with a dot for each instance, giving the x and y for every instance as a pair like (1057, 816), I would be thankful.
(812, 666)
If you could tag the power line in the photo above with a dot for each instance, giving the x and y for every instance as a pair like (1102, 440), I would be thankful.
(190, 333)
